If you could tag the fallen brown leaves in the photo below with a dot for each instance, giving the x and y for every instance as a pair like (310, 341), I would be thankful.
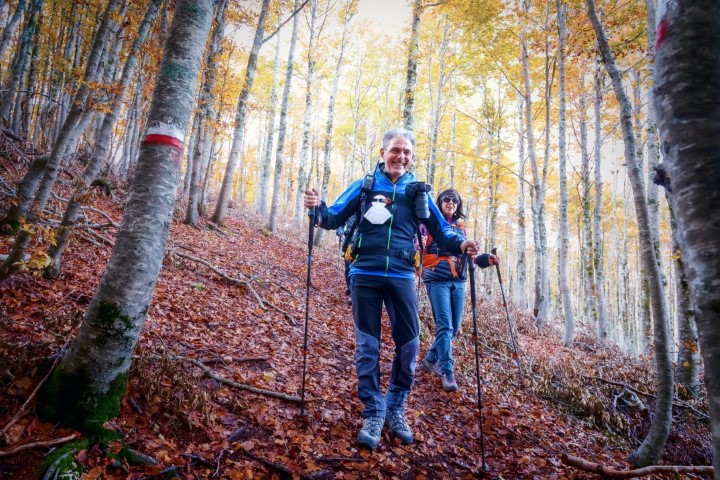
(204, 428)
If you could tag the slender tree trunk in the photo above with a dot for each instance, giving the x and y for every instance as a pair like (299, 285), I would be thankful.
(521, 291)
(588, 264)
(86, 387)
(303, 175)
(651, 448)
(73, 125)
(100, 150)
(239, 131)
(411, 76)
(69, 135)
(266, 163)
(453, 129)
(688, 363)
(204, 118)
(19, 63)
(645, 313)
(348, 14)
(10, 27)
(597, 222)
(438, 107)
(540, 294)
(26, 117)
(562, 153)
(282, 128)
(25, 190)
(189, 164)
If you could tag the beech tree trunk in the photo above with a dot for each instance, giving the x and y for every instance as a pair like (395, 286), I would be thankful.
(521, 290)
(204, 118)
(599, 278)
(688, 362)
(266, 163)
(652, 446)
(569, 335)
(100, 150)
(588, 264)
(687, 80)
(437, 105)
(239, 131)
(348, 14)
(85, 389)
(75, 122)
(10, 26)
(541, 294)
(282, 128)
(19, 63)
(411, 75)
(303, 171)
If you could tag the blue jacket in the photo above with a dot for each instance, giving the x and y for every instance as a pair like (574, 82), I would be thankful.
(385, 236)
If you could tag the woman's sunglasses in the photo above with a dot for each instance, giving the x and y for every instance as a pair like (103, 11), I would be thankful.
(450, 199)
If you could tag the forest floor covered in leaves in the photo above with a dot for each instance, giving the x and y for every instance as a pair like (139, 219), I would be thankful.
(230, 305)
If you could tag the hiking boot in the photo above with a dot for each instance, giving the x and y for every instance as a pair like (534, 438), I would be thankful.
(448, 382)
(369, 435)
(397, 423)
(428, 367)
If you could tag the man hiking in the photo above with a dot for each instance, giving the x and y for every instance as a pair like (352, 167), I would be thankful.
(390, 204)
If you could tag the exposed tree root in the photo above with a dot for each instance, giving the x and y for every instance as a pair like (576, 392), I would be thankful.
(221, 273)
(613, 473)
(239, 281)
(232, 383)
(47, 443)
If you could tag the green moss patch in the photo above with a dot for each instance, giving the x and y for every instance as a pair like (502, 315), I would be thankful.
(68, 398)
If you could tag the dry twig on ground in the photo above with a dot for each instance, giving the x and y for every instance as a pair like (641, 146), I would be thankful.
(640, 472)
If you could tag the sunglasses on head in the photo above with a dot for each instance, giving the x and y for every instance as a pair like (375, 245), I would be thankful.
(450, 199)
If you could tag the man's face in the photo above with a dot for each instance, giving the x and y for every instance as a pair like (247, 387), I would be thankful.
(398, 157)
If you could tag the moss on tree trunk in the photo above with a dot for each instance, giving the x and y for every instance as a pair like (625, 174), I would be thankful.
(72, 399)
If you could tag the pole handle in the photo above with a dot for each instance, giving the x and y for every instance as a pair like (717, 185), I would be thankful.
(497, 267)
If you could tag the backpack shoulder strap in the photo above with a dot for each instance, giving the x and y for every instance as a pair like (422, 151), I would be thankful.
(365, 189)
(367, 185)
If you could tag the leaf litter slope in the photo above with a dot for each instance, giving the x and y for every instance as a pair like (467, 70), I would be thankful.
(206, 428)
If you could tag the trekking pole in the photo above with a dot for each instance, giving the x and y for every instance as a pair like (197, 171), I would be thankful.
(311, 231)
(339, 260)
(476, 340)
(513, 344)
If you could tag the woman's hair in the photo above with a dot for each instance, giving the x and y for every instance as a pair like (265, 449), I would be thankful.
(459, 210)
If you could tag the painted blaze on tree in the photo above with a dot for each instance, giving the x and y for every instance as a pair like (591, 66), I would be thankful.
(86, 388)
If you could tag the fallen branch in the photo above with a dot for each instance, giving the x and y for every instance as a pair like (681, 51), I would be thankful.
(284, 471)
(211, 361)
(197, 459)
(104, 214)
(339, 459)
(232, 383)
(592, 467)
(221, 273)
(640, 392)
(91, 240)
(102, 238)
(287, 315)
(218, 463)
(47, 443)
